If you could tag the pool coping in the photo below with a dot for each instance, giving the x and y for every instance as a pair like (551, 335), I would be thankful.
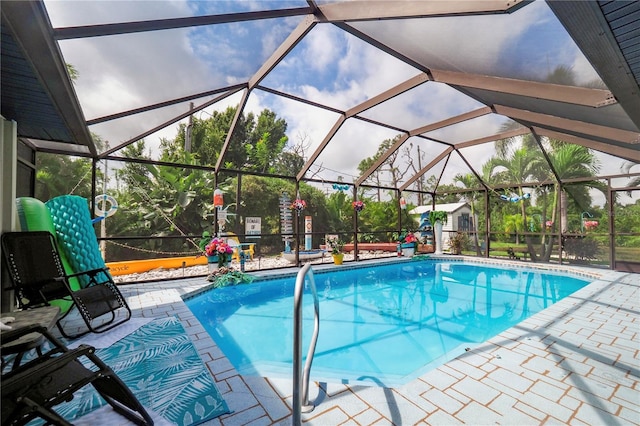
(320, 269)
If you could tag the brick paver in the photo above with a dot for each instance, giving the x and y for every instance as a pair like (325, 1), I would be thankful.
(577, 362)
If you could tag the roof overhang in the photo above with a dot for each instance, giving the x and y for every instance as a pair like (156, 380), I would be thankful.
(37, 92)
(604, 49)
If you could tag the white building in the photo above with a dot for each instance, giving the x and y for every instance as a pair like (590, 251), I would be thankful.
(458, 215)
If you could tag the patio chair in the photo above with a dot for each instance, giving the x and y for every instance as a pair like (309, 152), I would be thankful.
(38, 278)
(248, 249)
(33, 389)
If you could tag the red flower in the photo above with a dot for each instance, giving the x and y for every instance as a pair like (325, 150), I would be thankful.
(590, 224)
(410, 238)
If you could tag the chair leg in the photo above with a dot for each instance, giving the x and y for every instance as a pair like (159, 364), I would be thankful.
(61, 329)
(51, 416)
(104, 326)
(18, 358)
(35, 388)
(118, 395)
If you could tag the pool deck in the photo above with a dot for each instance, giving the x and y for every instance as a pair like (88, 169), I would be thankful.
(577, 362)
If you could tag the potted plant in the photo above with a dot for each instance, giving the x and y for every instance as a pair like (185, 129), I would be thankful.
(457, 242)
(218, 253)
(408, 243)
(336, 245)
(438, 218)
(358, 205)
(299, 204)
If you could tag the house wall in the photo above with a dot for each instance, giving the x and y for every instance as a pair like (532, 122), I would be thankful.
(452, 219)
(8, 162)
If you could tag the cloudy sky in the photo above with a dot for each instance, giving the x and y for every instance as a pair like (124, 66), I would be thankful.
(330, 66)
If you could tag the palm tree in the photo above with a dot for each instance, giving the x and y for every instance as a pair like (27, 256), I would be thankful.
(626, 168)
(513, 224)
(470, 181)
(517, 168)
(570, 161)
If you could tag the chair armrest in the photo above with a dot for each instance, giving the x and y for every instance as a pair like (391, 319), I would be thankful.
(9, 336)
(91, 273)
(13, 335)
(88, 272)
(32, 372)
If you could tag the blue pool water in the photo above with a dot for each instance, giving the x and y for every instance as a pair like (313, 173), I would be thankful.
(383, 325)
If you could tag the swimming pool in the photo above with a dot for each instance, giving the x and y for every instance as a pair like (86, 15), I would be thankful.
(380, 325)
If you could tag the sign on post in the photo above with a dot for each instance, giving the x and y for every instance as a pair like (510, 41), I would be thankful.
(252, 227)
(286, 218)
(308, 228)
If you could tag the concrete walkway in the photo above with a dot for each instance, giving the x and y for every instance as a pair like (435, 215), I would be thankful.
(577, 362)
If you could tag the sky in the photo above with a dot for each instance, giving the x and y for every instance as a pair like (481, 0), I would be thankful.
(118, 73)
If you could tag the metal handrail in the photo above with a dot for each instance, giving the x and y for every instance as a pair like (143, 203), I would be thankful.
(301, 382)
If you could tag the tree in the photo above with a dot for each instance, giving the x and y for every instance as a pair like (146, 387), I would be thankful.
(626, 169)
(513, 224)
(255, 145)
(261, 196)
(61, 175)
(133, 173)
(266, 142)
(390, 167)
(73, 73)
(569, 162)
(292, 158)
(415, 168)
(470, 181)
(159, 200)
(517, 167)
(365, 165)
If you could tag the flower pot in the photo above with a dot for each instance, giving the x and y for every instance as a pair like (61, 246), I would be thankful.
(408, 252)
(213, 263)
(408, 249)
(338, 258)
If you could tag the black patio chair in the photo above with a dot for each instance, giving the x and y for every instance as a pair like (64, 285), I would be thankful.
(33, 389)
(38, 278)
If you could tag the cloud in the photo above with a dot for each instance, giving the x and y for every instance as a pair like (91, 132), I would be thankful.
(322, 48)
(329, 66)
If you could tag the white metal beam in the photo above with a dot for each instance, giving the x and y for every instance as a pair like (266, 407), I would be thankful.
(366, 10)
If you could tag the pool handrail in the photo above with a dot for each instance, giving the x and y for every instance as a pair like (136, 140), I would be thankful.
(301, 384)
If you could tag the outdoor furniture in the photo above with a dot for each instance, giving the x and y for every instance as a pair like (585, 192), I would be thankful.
(247, 248)
(38, 279)
(33, 389)
(512, 254)
(46, 316)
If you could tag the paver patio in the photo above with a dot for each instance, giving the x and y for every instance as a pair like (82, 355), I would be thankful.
(577, 362)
